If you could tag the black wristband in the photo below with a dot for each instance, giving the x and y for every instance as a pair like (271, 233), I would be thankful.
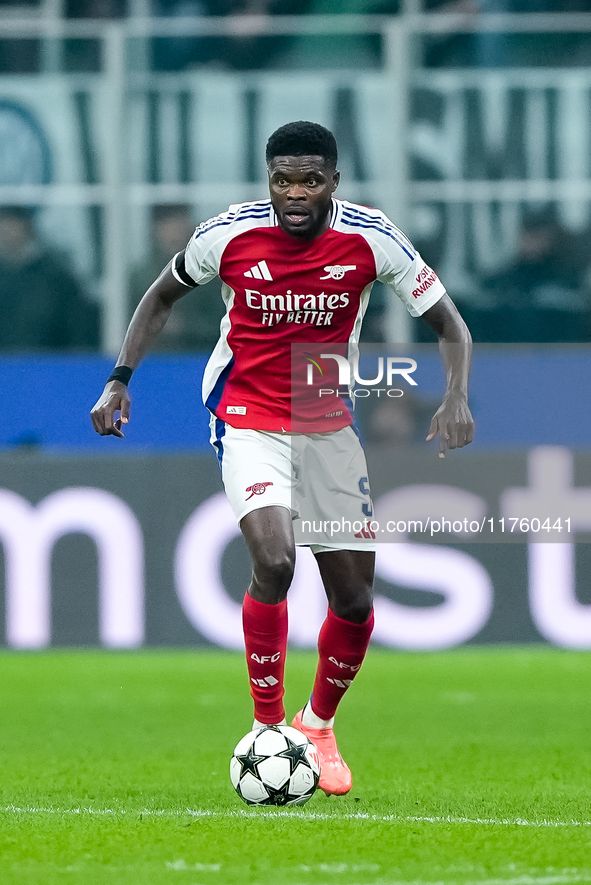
(121, 373)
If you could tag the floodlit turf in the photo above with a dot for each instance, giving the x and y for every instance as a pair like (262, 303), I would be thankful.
(469, 766)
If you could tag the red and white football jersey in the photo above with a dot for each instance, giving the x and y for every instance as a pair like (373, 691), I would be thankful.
(281, 291)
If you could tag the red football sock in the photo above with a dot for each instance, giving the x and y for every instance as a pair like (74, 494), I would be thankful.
(265, 638)
(341, 649)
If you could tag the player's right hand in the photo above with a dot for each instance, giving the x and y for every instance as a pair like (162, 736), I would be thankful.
(114, 398)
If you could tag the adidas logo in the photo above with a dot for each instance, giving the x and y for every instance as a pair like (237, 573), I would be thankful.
(267, 682)
(259, 271)
(340, 683)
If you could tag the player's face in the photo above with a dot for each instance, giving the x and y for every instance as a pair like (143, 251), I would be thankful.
(301, 189)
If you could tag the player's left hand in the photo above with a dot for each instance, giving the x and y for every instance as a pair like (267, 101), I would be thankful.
(453, 422)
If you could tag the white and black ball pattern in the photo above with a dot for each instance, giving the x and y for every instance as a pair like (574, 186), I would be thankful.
(275, 765)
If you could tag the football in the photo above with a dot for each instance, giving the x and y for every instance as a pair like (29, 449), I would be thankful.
(276, 765)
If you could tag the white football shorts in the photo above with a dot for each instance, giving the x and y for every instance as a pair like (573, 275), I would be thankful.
(321, 478)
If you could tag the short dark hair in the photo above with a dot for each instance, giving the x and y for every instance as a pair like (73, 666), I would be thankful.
(302, 139)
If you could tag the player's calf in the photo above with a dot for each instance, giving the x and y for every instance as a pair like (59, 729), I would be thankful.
(265, 639)
(341, 650)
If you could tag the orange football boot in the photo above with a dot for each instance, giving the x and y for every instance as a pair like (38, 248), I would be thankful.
(335, 776)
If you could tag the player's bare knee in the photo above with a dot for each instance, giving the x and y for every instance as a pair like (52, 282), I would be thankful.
(355, 608)
(273, 570)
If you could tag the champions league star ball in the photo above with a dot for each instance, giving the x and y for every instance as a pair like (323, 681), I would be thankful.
(276, 765)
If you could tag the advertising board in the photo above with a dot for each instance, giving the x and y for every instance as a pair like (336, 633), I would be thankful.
(123, 552)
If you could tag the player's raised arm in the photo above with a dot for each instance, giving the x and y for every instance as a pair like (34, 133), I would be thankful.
(453, 420)
(148, 320)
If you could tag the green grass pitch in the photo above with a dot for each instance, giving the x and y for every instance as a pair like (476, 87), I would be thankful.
(471, 766)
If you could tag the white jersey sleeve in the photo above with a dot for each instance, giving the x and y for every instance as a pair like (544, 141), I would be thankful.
(398, 264)
(415, 283)
(204, 250)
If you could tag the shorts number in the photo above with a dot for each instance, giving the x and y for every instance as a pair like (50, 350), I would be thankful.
(364, 489)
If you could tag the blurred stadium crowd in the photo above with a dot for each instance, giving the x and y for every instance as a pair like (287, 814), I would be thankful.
(245, 50)
(541, 292)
